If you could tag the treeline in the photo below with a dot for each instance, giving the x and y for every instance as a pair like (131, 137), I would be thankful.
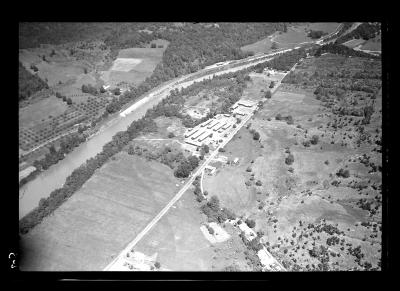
(28, 83)
(340, 49)
(283, 62)
(315, 34)
(364, 31)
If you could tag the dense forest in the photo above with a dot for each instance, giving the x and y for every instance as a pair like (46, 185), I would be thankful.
(28, 83)
(364, 31)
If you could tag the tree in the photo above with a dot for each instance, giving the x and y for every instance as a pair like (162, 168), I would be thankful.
(274, 46)
(34, 68)
(117, 91)
(278, 116)
(250, 223)
(268, 94)
(314, 139)
(193, 161)
(58, 95)
(343, 173)
(171, 135)
(272, 84)
(157, 265)
(102, 90)
(153, 45)
(205, 148)
(289, 159)
(183, 170)
(256, 135)
(85, 70)
(69, 101)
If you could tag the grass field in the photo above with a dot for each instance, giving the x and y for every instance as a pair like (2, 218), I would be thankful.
(96, 223)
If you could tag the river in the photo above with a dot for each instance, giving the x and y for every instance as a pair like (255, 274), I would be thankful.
(54, 177)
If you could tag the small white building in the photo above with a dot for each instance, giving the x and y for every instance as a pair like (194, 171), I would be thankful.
(236, 160)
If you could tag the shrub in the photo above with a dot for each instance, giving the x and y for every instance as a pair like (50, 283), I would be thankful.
(258, 183)
(171, 135)
(153, 45)
(268, 94)
(278, 116)
(256, 135)
(306, 143)
(157, 265)
(250, 223)
(221, 150)
(289, 159)
(343, 173)
(289, 120)
(314, 139)
(272, 84)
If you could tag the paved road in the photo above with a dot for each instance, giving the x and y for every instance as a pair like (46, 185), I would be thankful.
(189, 182)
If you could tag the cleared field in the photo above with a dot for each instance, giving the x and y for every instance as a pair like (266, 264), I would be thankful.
(100, 219)
(134, 65)
(125, 64)
(354, 43)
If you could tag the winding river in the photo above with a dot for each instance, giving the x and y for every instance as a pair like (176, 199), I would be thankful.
(55, 176)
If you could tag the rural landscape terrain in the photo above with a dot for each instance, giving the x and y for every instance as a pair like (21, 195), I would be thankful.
(249, 146)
